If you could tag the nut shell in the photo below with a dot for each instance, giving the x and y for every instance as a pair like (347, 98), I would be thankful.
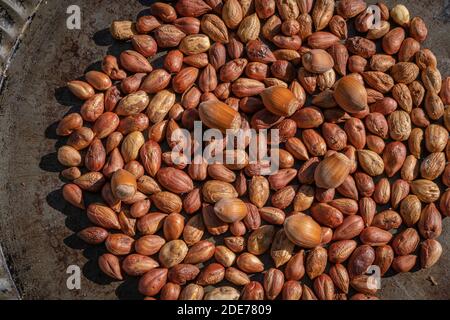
(303, 230)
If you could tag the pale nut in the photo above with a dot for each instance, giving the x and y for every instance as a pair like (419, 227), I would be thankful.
(303, 231)
(230, 210)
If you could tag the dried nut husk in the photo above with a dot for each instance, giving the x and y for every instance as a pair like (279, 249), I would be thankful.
(379, 81)
(103, 216)
(332, 171)
(340, 56)
(282, 248)
(123, 184)
(405, 72)
(288, 9)
(433, 166)
(427, 191)
(244, 87)
(370, 162)
(69, 156)
(417, 92)
(249, 28)
(175, 180)
(131, 145)
(327, 215)
(350, 95)
(430, 252)
(172, 253)
(104, 126)
(304, 198)
(230, 210)
(273, 283)
(444, 203)
(433, 105)
(326, 80)
(400, 189)
(317, 61)
(223, 293)
(408, 50)
(214, 190)
(392, 41)
(322, 40)
(82, 90)
(340, 251)
(382, 193)
(90, 181)
(224, 256)
(418, 29)
(83, 137)
(280, 101)
(260, 239)
(406, 242)
(236, 276)
(338, 26)
(384, 255)
(123, 30)
(156, 81)
(138, 265)
(436, 138)
(109, 264)
(381, 62)
(160, 105)
(249, 263)
(364, 285)
(402, 94)
(361, 46)
(200, 252)
(322, 13)
(339, 275)
(445, 97)
(74, 195)
(361, 259)
(119, 244)
(350, 8)
(430, 223)
(135, 62)
(316, 262)
(193, 230)
(194, 44)
(167, 202)
(232, 13)
(400, 14)
(303, 231)
(235, 243)
(415, 142)
(259, 191)
(410, 210)
(71, 173)
(292, 290)
(394, 156)
(192, 292)
(399, 125)
(215, 28)
(265, 9)
(380, 32)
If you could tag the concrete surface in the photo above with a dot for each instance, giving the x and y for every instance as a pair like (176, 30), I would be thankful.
(36, 226)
